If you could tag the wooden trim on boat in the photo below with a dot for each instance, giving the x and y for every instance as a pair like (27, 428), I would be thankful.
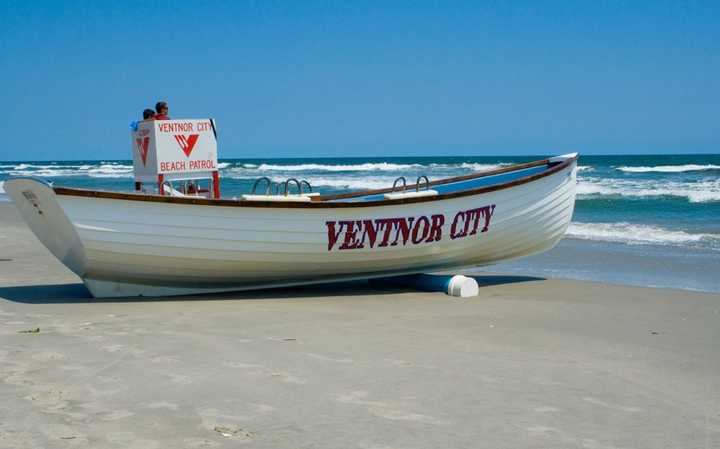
(323, 202)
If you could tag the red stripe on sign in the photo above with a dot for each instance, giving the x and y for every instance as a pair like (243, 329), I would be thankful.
(187, 143)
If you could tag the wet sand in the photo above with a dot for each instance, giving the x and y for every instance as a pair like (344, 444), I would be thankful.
(530, 363)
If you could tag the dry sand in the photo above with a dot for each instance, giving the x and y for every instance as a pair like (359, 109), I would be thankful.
(527, 364)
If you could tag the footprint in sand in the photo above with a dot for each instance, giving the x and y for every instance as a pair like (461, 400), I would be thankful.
(237, 434)
(72, 367)
(546, 409)
(120, 437)
(163, 405)
(385, 410)
(230, 364)
(47, 356)
(141, 444)
(263, 408)
(329, 359)
(225, 424)
(64, 433)
(200, 443)
(540, 429)
(117, 414)
(288, 378)
(180, 379)
(165, 359)
(112, 348)
(260, 370)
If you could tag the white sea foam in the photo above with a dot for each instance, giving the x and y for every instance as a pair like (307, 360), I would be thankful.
(353, 183)
(669, 168)
(368, 166)
(109, 171)
(222, 165)
(474, 166)
(583, 168)
(358, 183)
(381, 166)
(636, 234)
(104, 170)
(695, 192)
(2, 186)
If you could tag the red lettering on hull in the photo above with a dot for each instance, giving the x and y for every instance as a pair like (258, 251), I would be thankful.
(403, 231)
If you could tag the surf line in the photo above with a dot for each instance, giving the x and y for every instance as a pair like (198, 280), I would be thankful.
(383, 232)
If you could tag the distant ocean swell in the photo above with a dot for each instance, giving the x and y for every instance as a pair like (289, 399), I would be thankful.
(619, 197)
(635, 234)
(694, 191)
(670, 168)
(365, 176)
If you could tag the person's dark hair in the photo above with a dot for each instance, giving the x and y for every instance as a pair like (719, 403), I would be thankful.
(160, 105)
(148, 113)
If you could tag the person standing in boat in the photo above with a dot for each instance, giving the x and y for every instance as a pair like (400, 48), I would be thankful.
(148, 114)
(161, 107)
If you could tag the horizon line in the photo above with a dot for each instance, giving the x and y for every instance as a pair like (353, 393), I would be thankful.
(381, 157)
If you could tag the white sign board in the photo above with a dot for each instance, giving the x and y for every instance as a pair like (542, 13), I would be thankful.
(176, 149)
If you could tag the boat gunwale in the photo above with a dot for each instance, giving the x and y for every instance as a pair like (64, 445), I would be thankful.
(324, 202)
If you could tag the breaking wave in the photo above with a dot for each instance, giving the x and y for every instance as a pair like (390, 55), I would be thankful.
(358, 183)
(370, 166)
(103, 170)
(669, 168)
(373, 166)
(636, 234)
(353, 183)
(694, 192)
(472, 166)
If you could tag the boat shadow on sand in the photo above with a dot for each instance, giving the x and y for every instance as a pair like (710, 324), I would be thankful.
(77, 293)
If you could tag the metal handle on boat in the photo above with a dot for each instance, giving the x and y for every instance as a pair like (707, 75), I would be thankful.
(167, 188)
(309, 187)
(296, 182)
(404, 181)
(269, 184)
(427, 183)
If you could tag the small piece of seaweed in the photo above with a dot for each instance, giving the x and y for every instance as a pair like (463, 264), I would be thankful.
(30, 331)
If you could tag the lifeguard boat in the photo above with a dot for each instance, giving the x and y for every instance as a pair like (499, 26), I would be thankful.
(175, 236)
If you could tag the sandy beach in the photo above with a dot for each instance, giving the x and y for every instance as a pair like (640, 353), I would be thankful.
(529, 363)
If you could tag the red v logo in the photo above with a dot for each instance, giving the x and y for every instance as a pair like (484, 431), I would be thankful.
(142, 145)
(187, 143)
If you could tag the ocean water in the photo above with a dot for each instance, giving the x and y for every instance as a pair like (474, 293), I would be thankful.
(662, 212)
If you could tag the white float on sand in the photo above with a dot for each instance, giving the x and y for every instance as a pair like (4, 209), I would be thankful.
(457, 285)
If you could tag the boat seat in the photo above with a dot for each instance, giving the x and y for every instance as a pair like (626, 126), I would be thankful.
(169, 190)
(409, 194)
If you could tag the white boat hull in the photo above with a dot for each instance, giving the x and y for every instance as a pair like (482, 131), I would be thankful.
(124, 248)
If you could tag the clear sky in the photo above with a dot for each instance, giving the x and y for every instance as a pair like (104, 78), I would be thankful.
(306, 78)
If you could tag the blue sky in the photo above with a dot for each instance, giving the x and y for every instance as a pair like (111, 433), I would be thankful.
(305, 78)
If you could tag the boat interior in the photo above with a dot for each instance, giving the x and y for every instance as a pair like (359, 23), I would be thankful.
(301, 190)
